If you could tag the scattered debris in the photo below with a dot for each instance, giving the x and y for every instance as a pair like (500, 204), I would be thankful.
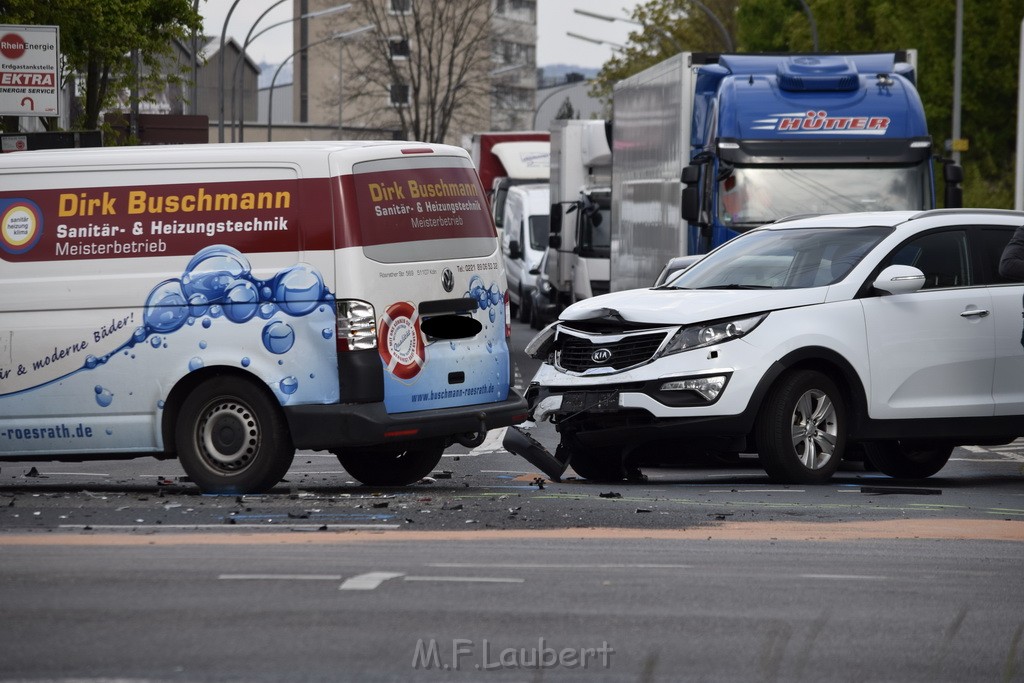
(538, 482)
(457, 506)
(471, 521)
(298, 515)
(641, 510)
(444, 474)
(427, 480)
(611, 494)
(381, 505)
(409, 520)
(32, 473)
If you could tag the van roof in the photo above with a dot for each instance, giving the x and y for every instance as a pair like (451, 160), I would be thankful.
(218, 152)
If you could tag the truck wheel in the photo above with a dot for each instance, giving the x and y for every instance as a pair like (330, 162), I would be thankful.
(397, 468)
(524, 308)
(801, 431)
(231, 437)
(907, 460)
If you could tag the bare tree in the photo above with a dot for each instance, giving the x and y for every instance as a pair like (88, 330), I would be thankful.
(426, 66)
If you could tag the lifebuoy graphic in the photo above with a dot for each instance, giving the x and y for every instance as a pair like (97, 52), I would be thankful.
(400, 340)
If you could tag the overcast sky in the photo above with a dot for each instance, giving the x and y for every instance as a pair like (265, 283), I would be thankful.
(555, 18)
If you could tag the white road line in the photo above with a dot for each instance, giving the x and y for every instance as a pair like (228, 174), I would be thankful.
(469, 565)
(464, 579)
(229, 527)
(844, 577)
(367, 582)
(280, 577)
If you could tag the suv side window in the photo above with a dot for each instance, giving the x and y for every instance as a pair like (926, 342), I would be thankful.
(943, 257)
(991, 242)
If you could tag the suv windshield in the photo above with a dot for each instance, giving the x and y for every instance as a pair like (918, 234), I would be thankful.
(782, 259)
(754, 195)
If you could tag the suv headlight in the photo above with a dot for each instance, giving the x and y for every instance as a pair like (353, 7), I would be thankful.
(705, 334)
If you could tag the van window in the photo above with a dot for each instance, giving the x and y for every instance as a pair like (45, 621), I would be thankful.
(423, 209)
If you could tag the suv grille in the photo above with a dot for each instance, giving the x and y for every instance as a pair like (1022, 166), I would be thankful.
(577, 353)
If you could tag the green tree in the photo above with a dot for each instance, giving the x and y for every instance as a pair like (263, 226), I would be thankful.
(566, 111)
(97, 39)
(664, 28)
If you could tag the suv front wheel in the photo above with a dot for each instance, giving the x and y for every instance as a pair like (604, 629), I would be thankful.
(801, 431)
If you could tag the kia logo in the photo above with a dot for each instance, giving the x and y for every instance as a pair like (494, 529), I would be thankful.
(601, 355)
(447, 280)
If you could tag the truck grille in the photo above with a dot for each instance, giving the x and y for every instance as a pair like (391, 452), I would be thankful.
(577, 354)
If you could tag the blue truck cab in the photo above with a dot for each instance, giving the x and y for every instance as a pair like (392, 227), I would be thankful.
(774, 136)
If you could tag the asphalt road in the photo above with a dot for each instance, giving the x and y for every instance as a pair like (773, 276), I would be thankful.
(487, 571)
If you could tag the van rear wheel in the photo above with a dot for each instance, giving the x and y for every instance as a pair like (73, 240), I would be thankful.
(392, 468)
(231, 437)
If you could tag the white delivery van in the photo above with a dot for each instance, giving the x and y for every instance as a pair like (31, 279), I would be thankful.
(525, 238)
(227, 304)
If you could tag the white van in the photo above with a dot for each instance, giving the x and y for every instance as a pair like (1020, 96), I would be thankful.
(227, 304)
(527, 210)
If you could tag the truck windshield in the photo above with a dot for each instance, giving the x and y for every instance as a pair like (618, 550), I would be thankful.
(753, 195)
(782, 259)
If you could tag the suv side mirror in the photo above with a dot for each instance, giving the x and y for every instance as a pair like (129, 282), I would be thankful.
(555, 241)
(899, 280)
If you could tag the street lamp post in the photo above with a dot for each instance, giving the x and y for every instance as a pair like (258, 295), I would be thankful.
(220, 80)
(726, 38)
(236, 76)
(341, 54)
(270, 96)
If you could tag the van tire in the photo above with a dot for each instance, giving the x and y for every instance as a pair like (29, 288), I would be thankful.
(231, 437)
(395, 468)
(801, 430)
(907, 460)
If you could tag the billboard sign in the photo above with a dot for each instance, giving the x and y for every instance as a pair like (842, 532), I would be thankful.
(29, 77)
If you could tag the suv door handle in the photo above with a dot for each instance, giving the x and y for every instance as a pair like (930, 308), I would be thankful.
(974, 313)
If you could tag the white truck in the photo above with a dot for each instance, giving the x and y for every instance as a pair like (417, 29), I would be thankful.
(576, 264)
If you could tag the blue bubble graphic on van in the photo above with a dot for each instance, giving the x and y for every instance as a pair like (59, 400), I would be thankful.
(245, 362)
(202, 344)
(242, 300)
(198, 303)
(166, 307)
(213, 270)
(327, 333)
(298, 290)
(206, 323)
(268, 311)
(91, 361)
(156, 341)
(289, 385)
(103, 397)
(195, 364)
(278, 337)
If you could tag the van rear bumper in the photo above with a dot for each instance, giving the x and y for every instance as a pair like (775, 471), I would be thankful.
(325, 427)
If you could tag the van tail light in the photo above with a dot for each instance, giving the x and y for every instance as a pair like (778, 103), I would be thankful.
(508, 317)
(355, 326)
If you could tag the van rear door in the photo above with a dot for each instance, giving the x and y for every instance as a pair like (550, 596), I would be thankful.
(429, 264)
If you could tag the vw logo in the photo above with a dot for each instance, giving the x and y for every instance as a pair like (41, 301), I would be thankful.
(601, 355)
(447, 280)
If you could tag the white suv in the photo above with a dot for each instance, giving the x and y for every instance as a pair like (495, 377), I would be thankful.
(887, 336)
